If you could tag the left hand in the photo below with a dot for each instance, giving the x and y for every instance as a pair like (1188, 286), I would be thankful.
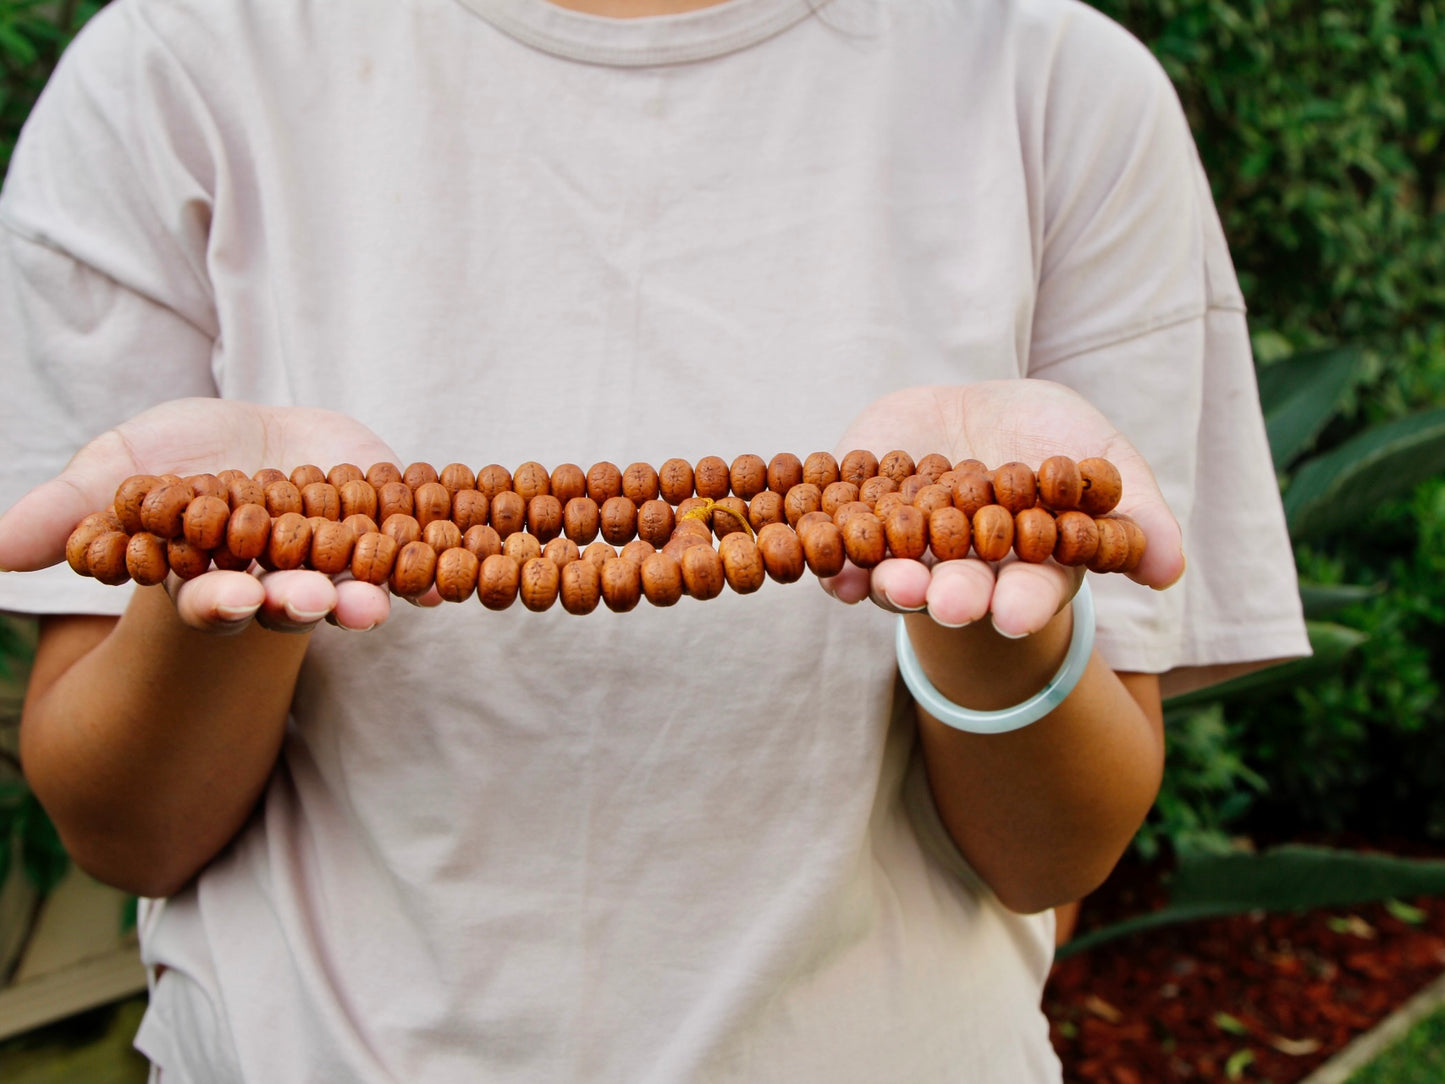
(999, 422)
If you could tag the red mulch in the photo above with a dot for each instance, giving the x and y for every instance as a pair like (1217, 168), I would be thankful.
(1256, 998)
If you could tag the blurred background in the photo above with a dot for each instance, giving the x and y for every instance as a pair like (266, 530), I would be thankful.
(1303, 813)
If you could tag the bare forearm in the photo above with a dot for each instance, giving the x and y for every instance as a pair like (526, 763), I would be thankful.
(149, 742)
(1044, 812)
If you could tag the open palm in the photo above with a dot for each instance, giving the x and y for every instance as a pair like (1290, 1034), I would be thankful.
(998, 422)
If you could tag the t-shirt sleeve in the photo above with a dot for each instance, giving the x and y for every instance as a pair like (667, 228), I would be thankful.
(104, 292)
(1138, 308)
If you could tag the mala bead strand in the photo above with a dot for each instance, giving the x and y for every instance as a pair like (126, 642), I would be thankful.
(504, 535)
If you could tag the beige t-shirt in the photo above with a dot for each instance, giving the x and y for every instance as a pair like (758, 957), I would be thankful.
(687, 844)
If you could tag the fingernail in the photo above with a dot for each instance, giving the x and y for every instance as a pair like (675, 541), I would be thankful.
(236, 613)
(1006, 635)
(951, 624)
(305, 617)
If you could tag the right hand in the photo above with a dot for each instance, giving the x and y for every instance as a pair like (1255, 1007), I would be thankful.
(193, 436)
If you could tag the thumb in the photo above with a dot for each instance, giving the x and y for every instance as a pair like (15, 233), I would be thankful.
(1163, 561)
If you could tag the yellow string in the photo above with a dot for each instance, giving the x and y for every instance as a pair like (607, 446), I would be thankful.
(702, 511)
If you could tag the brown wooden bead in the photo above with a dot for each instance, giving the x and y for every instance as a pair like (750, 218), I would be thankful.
(245, 491)
(373, 556)
(696, 510)
(742, 563)
(1136, 540)
(889, 501)
(86, 532)
(993, 532)
(418, 474)
(685, 537)
(497, 581)
(581, 587)
(521, 547)
(145, 558)
(1113, 549)
(782, 553)
(809, 520)
(971, 492)
(949, 534)
(441, 535)
(842, 513)
(766, 507)
(639, 483)
(820, 469)
(306, 474)
(911, 486)
(266, 475)
(290, 543)
(728, 515)
(431, 501)
(621, 585)
(619, 520)
(1102, 486)
(457, 477)
(509, 513)
(655, 521)
(703, 576)
(785, 470)
(604, 481)
(897, 465)
(247, 532)
(637, 551)
(858, 466)
(205, 520)
(823, 548)
(906, 529)
(206, 485)
(481, 540)
(531, 479)
(932, 465)
(871, 491)
(394, 498)
(864, 540)
(186, 560)
(538, 583)
(357, 496)
(321, 499)
(415, 570)
(544, 517)
(748, 476)
(105, 558)
(493, 479)
(456, 575)
(1060, 483)
(837, 495)
(331, 545)
(970, 466)
(1035, 535)
(561, 551)
(361, 524)
(803, 498)
(932, 497)
(227, 561)
(469, 508)
(710, 478)
(402, 527)
(581, 520)
(130, 495)
(598, 553)
(230, 475)
(341, 473)
(282, 496)
(379, 474)
(661, 578)
(568, 481)
(1015, 487)
(674, 481)
(164, 509)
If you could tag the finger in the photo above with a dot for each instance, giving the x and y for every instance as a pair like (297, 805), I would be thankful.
(296, 600)
(1163, 561)
(219, 601)
(900, 586)
(960, 592)
(360, 606)
(851, 585)
(1027, 596)
(34, 530)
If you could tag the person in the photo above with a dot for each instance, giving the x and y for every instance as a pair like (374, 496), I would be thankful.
(382, 842)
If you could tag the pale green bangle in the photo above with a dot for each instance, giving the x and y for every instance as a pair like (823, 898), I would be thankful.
(1081, 646)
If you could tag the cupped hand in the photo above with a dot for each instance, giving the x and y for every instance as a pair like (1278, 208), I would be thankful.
(998, 422)
(195, 436)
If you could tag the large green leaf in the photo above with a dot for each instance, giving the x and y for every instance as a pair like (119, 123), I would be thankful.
(1329, 642)
(1300, 394)
(1323, 599)
(1288, 878)
(1338, 490)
